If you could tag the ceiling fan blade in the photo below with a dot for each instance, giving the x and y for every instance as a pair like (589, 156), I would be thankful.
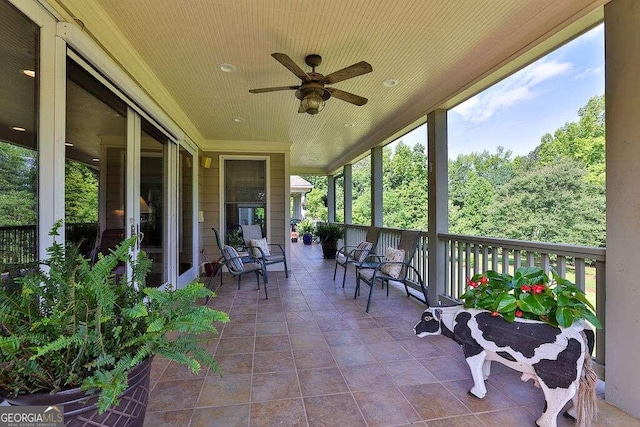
(302, 109)
(347, 73)
(347, 96)
(291, 66)
(273, 89)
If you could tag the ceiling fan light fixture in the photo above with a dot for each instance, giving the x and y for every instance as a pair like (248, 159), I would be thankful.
(312, 103)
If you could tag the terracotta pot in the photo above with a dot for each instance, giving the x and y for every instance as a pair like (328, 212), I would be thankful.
(80, 410)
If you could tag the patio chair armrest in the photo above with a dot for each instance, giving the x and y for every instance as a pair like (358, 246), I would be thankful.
(275, 244)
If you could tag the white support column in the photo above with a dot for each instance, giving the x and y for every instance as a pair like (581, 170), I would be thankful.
(348, 194)
(622, 90)
(376, 187)
(438, 199)
(331, 199)
(297, 205)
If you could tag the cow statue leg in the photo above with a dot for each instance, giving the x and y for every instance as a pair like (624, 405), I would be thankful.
(476, 365)
(486, 369)
(555, 398)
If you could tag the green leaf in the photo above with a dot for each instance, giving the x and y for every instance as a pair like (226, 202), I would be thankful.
(505, 302)
(565, 316)
(591, 318)
(533, 304)
(156, 326)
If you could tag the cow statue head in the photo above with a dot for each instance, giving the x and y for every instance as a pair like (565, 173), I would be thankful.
(434, 318)
(429, 323)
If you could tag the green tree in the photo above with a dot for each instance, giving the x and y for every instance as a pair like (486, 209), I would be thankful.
(405, 194)
(81, 193)
(18, 184)
(582, 141)
(314, 200)
(553, 203)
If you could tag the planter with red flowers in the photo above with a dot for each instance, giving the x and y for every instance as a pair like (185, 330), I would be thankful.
(529, 294)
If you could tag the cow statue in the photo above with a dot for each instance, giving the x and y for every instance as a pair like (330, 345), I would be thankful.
(557, 359)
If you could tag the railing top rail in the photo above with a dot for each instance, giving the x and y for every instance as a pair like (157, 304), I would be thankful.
(386, 229)
(588, 252)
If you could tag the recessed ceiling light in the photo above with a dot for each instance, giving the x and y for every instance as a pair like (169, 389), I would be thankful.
(95, 159)
(390, 83)
(349, 125)
(228, 68)
(19, 129)
(68, 144)
(238, 119)
(29, 73)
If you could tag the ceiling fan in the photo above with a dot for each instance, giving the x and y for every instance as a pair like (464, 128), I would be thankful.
(312, 92)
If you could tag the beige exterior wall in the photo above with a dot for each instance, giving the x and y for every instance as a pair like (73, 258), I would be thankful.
(622, 90)
(209, 199)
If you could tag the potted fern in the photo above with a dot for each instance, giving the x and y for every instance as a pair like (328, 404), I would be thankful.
(78, 335)
(329, 235)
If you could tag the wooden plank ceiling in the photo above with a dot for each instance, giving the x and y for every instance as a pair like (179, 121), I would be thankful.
(433, 48)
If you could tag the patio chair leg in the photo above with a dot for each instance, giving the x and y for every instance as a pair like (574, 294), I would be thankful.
(357, 292)
(344, 276)
(286, 269)
(387, 287)
(370, 293)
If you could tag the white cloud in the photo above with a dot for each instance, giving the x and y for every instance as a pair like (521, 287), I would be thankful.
(516, 88)
(588, 72)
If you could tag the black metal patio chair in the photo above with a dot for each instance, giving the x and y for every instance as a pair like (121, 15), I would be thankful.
(396, 270)
(356, 255)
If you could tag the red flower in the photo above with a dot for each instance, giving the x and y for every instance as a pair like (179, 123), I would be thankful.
(518, 313)
(484, 280)
(495, 314)
(538, 289)
(474, 284)
(525, 288)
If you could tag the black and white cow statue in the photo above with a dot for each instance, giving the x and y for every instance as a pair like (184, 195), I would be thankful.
(557, 359)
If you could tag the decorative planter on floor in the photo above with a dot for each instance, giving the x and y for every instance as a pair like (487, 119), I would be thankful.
(307, 239)
(329, 249)
(80, 410)
(557, 359)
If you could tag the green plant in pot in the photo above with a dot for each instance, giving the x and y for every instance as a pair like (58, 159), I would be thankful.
(329, 235)
(73, 330)
(306, 229)
(529, 294)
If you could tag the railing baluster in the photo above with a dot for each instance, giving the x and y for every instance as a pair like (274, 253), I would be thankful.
(452, 265)
(467, 260)
(545, 263)
(494, 258)
(505, 260)
(485, 258)
(561, 266)
(461, 278)
(580, 273)
(517, 258)
(531, 259)
(600, 312)
(476, 259)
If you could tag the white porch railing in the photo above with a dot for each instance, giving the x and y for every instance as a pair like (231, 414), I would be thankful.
(467, 255)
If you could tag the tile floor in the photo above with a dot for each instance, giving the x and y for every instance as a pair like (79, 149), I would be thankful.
(311, 356)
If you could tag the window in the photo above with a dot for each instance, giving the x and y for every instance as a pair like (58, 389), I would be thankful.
(19, 84)
(245, 194)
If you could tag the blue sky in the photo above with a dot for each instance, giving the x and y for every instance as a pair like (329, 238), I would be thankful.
(538, 99)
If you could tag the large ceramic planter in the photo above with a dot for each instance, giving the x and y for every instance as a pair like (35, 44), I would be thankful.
(80, 410)
(329, 249)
